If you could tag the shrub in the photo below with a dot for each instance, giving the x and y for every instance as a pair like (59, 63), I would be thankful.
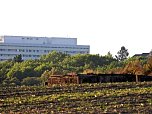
(31, 81)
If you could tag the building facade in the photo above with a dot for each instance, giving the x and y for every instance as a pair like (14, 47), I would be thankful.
(34, 47)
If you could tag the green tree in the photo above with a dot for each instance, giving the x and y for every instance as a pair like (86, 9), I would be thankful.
(18, 58)
(31, 81)
(53, 57)
(109, 55)
(122, 54)
(5, 66)
(46, 74)
(21, 70)
(42, 67)
(80, 62)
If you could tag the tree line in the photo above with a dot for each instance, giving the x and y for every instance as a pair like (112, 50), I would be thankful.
(36, 72)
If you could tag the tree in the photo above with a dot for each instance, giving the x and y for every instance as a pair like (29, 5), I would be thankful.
(45, 75)
(21, 70)
(5, 66)
(122, 54)
(53, 57)
(109, 55)
(18, 58)
(31, 81)
(148, 66)
(134, 67)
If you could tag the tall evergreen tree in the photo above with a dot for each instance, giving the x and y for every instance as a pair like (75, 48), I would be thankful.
(122, 54)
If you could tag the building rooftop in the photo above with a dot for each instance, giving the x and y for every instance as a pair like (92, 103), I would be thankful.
(142, 55)
(38, 40)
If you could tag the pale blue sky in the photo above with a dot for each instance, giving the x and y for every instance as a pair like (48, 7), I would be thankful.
(105, 25)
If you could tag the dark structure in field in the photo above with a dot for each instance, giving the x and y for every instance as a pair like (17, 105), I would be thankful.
(96, 78)
(104, 78)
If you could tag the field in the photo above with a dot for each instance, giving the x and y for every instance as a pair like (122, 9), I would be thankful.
(84, 98)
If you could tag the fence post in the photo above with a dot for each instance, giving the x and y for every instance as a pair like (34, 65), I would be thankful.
(137, 80)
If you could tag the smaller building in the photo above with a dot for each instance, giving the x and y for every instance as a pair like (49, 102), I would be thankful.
(142, 55)
(62, 79)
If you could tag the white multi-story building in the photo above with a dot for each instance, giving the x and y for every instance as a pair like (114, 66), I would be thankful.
(34, 47)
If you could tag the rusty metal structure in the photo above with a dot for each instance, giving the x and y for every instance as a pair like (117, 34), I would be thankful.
(63, 79)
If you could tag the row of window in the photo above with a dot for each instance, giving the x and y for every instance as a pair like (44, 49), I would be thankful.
(75, 52)
(24, 50)
(70, 47)
(16, 46)
(30, 38)
(13, 55)
(31, 55)
(3, 59)
(25, 55)
(29, 50)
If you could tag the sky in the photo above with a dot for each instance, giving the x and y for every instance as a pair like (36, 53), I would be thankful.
(105, 25)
